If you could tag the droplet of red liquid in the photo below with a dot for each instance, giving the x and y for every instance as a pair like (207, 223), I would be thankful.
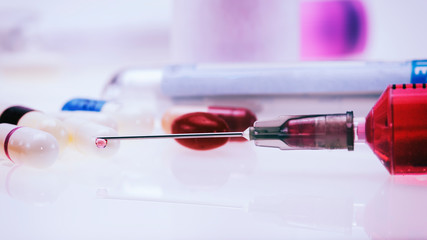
(200, 122)
(101, 143)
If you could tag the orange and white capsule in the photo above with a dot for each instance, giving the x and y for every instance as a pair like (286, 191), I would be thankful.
(83, 136)
(24, 145)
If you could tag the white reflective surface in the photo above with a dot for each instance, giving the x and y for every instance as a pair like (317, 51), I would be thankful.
(238, 191)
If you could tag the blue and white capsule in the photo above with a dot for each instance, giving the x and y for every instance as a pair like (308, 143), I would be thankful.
(130, 119)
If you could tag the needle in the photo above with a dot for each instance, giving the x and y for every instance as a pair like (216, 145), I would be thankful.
(101, 142)
(180, 135)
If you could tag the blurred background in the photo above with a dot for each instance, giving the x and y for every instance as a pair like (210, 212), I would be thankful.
(51, 51)
(138, 32)
(58, 41)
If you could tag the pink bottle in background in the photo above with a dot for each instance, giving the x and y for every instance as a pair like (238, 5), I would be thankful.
(266, 31)
(332, 29)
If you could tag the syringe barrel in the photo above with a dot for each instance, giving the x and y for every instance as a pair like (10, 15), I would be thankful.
(326, 131)
(396, 128)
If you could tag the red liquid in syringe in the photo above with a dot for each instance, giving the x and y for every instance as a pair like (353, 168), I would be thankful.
(396, 128)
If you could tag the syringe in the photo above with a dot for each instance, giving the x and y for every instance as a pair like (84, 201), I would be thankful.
(395, 129)
(327, 131)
